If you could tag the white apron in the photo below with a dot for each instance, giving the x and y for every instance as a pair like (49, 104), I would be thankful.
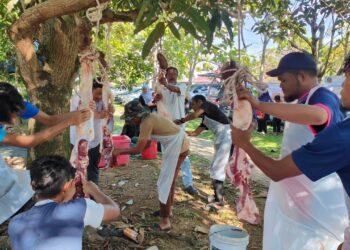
(301, 214)
(346, 244)
(222, 147)
(15, 190)
(171, 146)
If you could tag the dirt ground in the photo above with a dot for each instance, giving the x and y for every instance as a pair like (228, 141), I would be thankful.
(137, 182)
(189, 212)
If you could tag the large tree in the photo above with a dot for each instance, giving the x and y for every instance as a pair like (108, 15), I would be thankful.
(61, 31)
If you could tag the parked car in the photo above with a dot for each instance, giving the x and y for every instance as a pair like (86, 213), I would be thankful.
(128, 96)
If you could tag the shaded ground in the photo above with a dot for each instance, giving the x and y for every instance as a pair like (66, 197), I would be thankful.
(141, 177)
(189, 212)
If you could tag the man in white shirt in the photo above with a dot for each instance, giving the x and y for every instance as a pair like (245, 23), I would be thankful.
(174, 100)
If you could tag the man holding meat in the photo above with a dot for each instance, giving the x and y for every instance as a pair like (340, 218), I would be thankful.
(299, 213)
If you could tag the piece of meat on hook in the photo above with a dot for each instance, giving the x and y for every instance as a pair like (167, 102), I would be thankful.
(238, 168)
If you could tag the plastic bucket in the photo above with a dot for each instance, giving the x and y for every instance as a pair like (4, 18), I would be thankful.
(150, 153)
(225, 237)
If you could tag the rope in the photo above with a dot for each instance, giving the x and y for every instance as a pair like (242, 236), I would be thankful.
(238, 78)
(94, 14)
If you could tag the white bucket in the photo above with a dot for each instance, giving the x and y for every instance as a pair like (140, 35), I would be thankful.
(225, 237)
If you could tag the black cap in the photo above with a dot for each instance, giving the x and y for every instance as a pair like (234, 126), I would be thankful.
(294, 61)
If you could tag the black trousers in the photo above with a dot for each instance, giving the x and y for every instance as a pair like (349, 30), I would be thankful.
(276, 123)
(262, 126)
(93, 172)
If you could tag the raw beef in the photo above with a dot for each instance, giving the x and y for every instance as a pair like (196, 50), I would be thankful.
(239, 168)
(106, 147)
(85, 131)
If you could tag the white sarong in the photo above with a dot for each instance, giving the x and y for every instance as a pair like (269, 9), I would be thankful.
(171, 145)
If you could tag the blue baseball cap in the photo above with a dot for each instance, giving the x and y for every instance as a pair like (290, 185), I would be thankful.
(294, 61)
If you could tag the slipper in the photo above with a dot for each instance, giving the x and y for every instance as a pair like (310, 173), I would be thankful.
(156, 227)
(104, 231)
(157, 214)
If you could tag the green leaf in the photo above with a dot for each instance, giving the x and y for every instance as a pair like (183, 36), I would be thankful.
(145, 4)
(147, 20)
(178, 5)
(197, 19)
(174, 30)
(186, 25)
(228, 23)
(215, 21)
(154, 37)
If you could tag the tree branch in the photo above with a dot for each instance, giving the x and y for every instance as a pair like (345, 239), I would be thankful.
(323, 71)
(37, 14)
(110, 16)
(293, 44)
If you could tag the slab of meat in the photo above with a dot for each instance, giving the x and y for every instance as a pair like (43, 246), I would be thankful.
(238, 168)
(106, 145)
(81, 163)
(85, 131)
(163, 65)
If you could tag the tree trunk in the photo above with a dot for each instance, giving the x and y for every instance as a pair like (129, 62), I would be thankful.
(58, 51)
(263, 58)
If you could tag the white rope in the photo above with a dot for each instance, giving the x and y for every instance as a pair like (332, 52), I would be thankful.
(240, 76)
(94, 14)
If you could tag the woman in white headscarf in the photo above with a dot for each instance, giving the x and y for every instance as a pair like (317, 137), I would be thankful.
(146, 98)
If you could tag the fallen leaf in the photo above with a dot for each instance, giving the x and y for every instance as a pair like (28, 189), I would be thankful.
(122, 183)
(200, 229)
(121, 224)
(153, 248)
(130, 202)
(124, 219)
(141, 236)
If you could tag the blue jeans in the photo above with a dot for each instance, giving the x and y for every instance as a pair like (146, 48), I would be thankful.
(186, 173)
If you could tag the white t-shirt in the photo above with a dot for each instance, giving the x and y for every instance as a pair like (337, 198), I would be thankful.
(174, 102)
(97, 123)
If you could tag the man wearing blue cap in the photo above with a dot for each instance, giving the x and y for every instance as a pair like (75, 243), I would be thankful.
(299, 213)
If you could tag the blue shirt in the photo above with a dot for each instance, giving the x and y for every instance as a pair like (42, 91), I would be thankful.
(328, 153)
(326, 99)
(49, 226)
(30, 111)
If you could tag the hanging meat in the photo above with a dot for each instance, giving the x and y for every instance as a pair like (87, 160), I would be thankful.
(85, 131)
(163, 65)
(239, 167)
(106, 145)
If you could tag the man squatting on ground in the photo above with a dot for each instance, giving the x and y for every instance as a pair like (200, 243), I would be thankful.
(57, 221)
(15, 191)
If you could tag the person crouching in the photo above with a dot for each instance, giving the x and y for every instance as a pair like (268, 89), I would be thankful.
(176, 147)
(56, 221)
